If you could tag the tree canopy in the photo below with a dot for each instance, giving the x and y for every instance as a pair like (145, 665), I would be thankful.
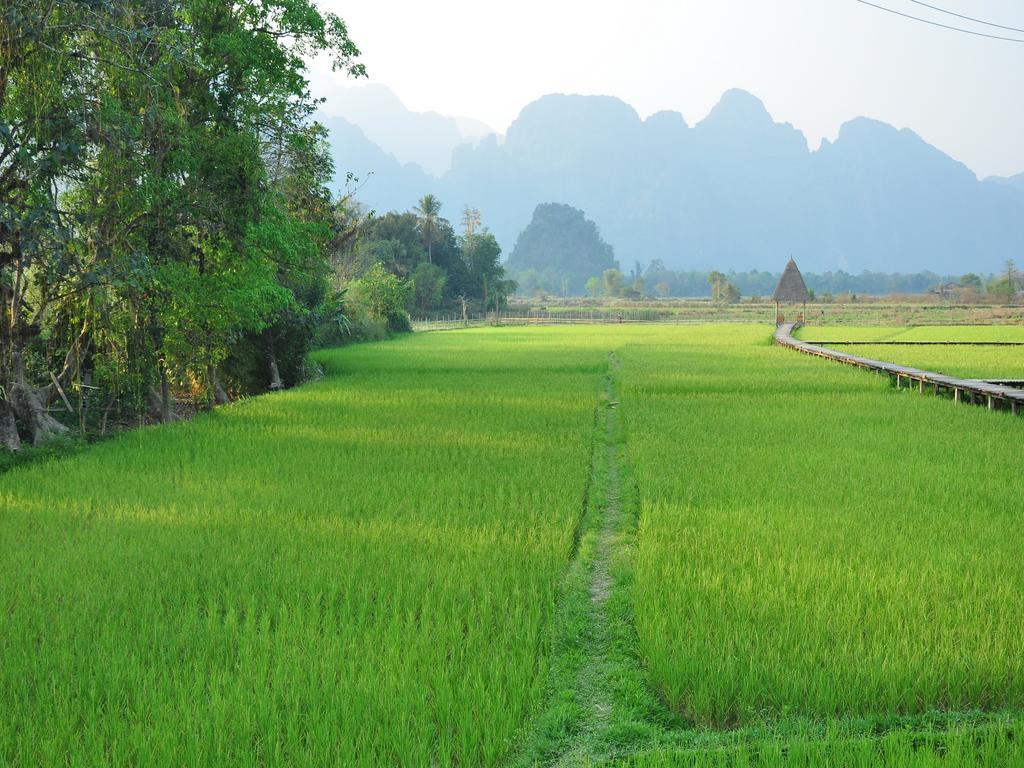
(163, 200)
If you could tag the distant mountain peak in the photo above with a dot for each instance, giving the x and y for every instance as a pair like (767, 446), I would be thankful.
(577, 107)
(668, 119)
(558, 127)
(869, 128)
(738, 106)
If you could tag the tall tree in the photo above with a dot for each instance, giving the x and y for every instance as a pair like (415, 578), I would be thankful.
(46, 106)
(428, 209)
(470, 222)
(613, 282)
(486, 274)
(717, 281)
(147, 219)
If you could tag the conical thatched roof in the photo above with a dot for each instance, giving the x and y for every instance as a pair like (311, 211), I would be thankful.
(791, 288)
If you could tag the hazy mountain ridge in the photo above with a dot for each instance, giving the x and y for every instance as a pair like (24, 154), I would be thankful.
(736, 191)
(424, 138)
(1012, 181)
(380, 181)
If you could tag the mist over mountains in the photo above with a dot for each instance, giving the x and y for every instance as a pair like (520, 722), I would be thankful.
(735, 191)
(424, 138)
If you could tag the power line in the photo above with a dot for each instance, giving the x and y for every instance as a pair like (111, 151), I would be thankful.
(943, 26)
(967, 18)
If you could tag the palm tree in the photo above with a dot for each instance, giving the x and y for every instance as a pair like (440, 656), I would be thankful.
(428, 209)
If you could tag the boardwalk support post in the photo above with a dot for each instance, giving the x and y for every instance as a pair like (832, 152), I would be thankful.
(995, 395)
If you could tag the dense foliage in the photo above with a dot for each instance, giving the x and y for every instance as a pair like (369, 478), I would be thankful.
(436, 268)
(164, 212)
(546, 275)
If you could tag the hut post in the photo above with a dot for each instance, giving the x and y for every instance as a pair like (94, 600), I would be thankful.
(791, 289)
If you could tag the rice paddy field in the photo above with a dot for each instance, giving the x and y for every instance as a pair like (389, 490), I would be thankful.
(816, 547)
(356, 573)
(969, 362)
(816, 569)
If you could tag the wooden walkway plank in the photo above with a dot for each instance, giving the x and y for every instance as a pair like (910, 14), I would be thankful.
(919, 343)
(991, 393)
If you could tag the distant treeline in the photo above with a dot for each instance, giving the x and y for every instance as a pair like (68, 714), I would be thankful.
(755, 283)
(657, 280)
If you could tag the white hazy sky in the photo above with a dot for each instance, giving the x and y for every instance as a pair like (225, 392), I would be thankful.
(815, 63)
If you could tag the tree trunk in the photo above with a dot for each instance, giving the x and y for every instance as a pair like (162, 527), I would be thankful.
(8, 428)
(220, 397)
(29, 410)
(153, 404)
(33, 416)
(275, 374)
(159, 401)
(165, 396)
(159, 405)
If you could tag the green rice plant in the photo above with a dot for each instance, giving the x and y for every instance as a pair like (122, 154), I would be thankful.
(912, 333)
(363, 571)
(849, 333)
(357, 572)
(813, 543)
(963, 361)
(963, 333)
(994, 746)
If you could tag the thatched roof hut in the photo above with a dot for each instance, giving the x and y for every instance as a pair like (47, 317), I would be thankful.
(791, 288)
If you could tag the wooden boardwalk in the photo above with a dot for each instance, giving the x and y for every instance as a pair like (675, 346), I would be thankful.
(992, 395)
(920, 343)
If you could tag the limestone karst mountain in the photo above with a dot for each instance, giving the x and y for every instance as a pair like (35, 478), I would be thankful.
(563, 243)
(738, 190)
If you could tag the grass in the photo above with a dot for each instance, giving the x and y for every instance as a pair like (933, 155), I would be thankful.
(799, 566)
(59, 447)
(963, 362)
(987, 746)
(598, 704)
